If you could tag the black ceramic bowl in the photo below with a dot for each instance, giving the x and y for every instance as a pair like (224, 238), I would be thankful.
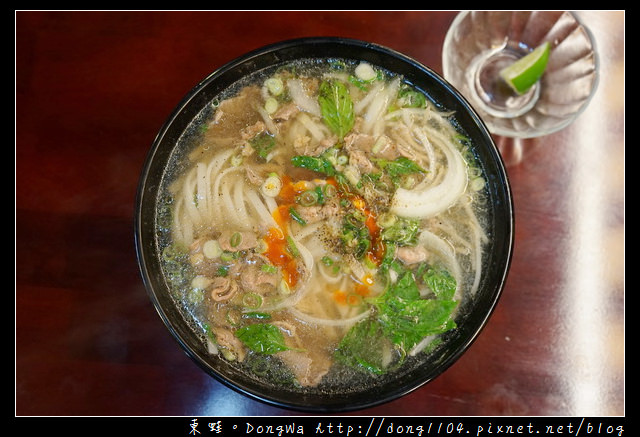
(475, 313)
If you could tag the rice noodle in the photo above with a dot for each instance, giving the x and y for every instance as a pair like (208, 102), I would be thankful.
(188, 193)
(308, 230)
(213, 168)
(271, 205)
(220, 196)
(329, 278)
(182, 226)
(228, 207)
(240, 192)
(201, 187)
(265, 216)
(328, 322)
(317, 131)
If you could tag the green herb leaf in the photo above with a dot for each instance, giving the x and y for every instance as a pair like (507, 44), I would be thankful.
(410, 98)
(296, 216)
(263, 338)
(405, 287)
(364, 84)
(407, 318)
(263, 143)
(441, 283)
(319, 164)
(363, 347)
(407, 322)
(402, 319)
(355, 235)
(209, 332)
(398, 167)
(403, 232)
(292, 248)
(336, 107)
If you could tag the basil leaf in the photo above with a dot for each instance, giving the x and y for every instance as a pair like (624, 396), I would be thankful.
(336, 107)
(441, 283)
(363, 347)
(405, 288)
(404, 232)
(319, 164)
(402, 319)
(262, 338)
(407, 318)
(407, 322)
(398, 167)
(263, 143)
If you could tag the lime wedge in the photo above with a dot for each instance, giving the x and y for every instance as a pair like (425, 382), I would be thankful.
(526, 71)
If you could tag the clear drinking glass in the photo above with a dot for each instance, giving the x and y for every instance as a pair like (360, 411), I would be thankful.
(480, 43)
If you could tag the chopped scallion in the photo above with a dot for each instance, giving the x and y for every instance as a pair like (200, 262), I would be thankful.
(271, 186)
(274, 85)
(308, 198)
(268, 268)
(295, 215)
(291, 246)
(252, 300)
(236, 239)
(211, 249)
(271, 105)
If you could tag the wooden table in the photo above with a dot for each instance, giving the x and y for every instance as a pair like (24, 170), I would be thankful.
(92, 90)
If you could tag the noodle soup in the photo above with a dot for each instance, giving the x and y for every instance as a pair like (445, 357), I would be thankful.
(323, 222)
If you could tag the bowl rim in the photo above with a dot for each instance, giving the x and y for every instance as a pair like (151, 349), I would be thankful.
(143, 235)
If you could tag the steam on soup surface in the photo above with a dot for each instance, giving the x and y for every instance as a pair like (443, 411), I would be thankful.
(327, 216)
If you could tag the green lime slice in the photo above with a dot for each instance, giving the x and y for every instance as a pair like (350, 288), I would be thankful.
(526, 71)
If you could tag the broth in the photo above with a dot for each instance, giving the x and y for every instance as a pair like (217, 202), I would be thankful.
(323, 219)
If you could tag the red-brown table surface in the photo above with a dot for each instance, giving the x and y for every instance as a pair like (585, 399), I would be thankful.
(93, 89)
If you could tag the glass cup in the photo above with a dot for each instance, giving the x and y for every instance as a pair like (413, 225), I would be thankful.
(479, 44)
